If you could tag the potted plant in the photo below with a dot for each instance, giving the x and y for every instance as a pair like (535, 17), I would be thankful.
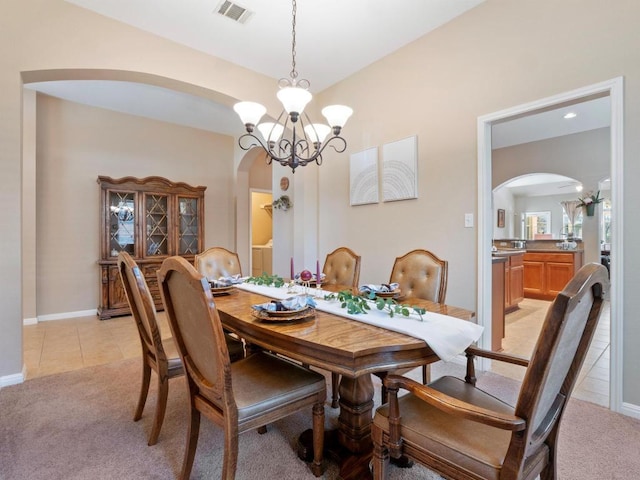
(589, 202)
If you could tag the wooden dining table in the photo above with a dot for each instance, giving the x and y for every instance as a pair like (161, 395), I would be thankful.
(348, 347)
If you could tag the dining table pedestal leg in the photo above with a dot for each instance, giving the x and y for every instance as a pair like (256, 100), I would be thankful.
(350, 445)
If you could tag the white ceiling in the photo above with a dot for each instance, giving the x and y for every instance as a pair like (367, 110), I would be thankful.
(353, 34)
(347, 35)
(589, 115)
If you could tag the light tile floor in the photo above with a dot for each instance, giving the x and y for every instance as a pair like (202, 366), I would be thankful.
(64, 345)
(521, 332)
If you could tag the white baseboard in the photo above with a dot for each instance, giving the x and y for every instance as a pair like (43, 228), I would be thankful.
(630, 410)
(14, 379)
(60, 316)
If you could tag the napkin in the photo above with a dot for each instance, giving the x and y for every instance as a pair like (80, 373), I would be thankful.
(292, 303)
(226, 281)
(382, 288)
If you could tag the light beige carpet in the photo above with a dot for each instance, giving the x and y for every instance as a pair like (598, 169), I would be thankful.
(78, 425)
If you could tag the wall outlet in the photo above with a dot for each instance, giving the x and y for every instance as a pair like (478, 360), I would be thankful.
(468, 220)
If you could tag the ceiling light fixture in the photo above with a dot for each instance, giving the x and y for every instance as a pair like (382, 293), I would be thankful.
(569, 115)
(307, 141)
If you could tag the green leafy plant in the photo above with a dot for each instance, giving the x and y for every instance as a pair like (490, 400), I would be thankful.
(356, 304)
(266, 279)
(353, 303)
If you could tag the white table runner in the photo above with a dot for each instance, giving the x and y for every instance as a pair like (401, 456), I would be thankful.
(447, 336)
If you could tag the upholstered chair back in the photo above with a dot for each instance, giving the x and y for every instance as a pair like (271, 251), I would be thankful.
(342, 267)
(197, 330)
(421, 274)
(216, 262)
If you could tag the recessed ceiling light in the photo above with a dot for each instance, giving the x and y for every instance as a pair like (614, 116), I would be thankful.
(570, 115)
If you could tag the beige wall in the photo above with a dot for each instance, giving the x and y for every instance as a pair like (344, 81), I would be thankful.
(498, 55)
(76, 143)
(584, 156)
(52, 39)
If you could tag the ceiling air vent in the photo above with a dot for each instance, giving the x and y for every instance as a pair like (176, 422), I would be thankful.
(234, 11)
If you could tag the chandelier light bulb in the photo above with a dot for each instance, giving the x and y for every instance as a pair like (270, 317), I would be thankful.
(270, 131)
(250, 113)
(294, 99)
(337, 115)
(317, 132)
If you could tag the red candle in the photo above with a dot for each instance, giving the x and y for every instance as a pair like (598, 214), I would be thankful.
(292, 271)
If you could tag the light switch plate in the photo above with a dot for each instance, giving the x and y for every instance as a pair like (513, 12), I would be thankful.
(468, 220)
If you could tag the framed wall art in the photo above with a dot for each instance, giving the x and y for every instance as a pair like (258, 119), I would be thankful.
(500, 218)
(400, 169)
(363, 177)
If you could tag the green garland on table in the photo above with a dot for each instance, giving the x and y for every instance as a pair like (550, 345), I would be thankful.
(356, 304)
(267, 280)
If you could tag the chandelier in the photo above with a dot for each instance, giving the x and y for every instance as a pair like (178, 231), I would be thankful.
(307, 140)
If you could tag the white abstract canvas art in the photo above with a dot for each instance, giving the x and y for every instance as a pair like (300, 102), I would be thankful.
(363, 176)
(400, 169)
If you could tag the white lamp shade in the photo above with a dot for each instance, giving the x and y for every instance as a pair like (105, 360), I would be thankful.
(337, 115)
(317, 132)
(294, 99)
(270, 131)
(249, 112)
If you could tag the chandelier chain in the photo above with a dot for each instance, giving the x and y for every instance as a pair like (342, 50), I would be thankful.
(294, 73)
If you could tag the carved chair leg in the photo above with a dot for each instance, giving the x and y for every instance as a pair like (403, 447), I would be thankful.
(335, 384)
(193, 431)
(318, 438)
(144, 389)
(230, 457)
(161, 407)
(380, 460)
(470, 377)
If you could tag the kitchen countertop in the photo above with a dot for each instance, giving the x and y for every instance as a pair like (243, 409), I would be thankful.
(554, 250)
(507, 252)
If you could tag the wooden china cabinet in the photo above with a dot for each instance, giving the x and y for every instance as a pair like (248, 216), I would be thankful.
(150, 218)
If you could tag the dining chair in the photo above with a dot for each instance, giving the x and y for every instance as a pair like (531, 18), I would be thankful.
(259, 389)
(341, 267)
(158, 355)
(420, 274)
(216, 262)
(462, 432)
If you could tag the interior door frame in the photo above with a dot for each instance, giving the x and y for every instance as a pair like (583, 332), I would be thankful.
(615, 89)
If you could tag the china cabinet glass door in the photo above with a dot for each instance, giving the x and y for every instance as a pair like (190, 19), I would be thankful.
(156, 208)
(122, 236)
(189, 227)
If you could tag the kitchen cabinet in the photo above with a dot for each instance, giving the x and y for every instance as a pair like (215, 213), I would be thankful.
(514, 281)
(547, 273)
(151, 219)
